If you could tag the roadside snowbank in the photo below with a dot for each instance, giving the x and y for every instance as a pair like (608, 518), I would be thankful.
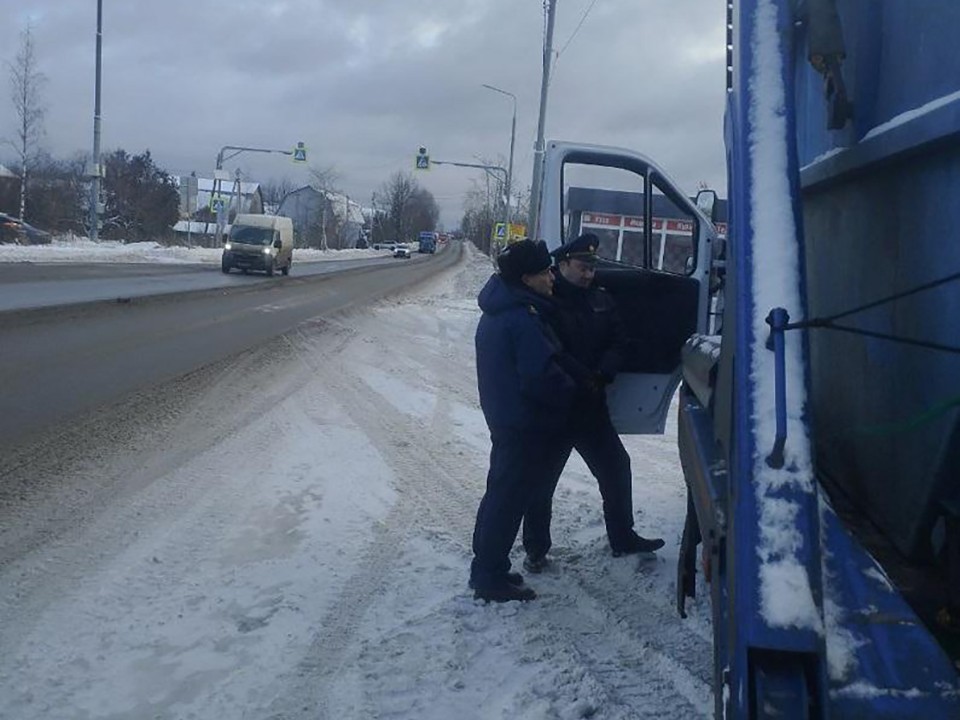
(78, 249)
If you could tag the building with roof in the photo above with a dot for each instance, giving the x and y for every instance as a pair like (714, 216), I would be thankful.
(197, 207)
(616, 218)
(9, 191)
(323, 219)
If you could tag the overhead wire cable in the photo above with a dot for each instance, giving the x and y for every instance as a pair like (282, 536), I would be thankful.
(575, 30)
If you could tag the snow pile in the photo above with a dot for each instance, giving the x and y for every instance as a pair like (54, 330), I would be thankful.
(80, 249)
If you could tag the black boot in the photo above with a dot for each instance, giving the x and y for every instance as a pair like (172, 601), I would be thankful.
(505, 593)
(513, 578)
(535, 564)
(635, 544)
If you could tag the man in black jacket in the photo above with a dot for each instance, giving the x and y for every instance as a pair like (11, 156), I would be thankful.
(590, 331)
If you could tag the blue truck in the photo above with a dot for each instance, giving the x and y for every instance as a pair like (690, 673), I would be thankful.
(812, 354)
(427, 242)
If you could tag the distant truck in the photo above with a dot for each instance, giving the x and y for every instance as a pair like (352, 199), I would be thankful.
(259, 242)
(428, 242)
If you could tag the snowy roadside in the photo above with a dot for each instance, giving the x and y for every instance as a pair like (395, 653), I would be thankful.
(303, 553)
(79, 249)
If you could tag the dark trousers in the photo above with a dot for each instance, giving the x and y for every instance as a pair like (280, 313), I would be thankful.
(517, 468)
(598, 443)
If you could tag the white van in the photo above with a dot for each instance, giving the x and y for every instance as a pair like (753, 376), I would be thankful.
(259, 242)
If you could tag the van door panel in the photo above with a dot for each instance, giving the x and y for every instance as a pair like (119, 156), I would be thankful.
(655, 270)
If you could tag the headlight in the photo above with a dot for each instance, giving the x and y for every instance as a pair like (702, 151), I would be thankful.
(268, 251)
(227, 246)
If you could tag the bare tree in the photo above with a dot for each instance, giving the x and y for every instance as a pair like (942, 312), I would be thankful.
(479, 215)
(59, 191)
(409, 207)
(274, 191)
(324, 180)
(397, 191)
(26, 82)
(424, 213)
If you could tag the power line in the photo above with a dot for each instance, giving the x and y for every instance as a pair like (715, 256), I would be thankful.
(576, 29)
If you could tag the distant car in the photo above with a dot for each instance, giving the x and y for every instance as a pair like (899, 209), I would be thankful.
(12, 230)
(401, 251)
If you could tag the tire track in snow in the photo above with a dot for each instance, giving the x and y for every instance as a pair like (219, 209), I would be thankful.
(430, 495)
(672, 662)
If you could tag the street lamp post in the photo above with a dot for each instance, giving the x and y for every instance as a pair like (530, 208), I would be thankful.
(538, 151)
(513, 136)
(95, 185)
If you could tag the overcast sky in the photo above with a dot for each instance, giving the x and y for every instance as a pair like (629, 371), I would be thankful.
(363, 83)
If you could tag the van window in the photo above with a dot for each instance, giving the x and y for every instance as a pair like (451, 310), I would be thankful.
(251, 235)
(608, 202)
(675, 230)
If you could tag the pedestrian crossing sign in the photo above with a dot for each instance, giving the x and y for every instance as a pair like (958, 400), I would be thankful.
(501, 231)
(422, 161)
(300, 153)
(217, 204)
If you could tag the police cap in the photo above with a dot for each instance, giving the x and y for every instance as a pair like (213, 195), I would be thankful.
(583, 248)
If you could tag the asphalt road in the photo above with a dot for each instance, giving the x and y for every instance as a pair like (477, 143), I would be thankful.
(58, 362)
(27, 285)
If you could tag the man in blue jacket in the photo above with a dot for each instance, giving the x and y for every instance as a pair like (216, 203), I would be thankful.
(526, 398)
(591, 332)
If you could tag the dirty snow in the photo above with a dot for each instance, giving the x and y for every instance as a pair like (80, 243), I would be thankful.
(302, 551)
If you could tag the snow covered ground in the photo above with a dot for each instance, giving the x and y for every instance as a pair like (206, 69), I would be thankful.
(302, 551)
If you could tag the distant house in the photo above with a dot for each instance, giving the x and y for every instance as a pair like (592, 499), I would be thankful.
(9, 191)
(196, 204)
(250, 201)
(323, 219)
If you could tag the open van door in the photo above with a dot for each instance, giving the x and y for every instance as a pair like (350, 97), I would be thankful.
(655, 256)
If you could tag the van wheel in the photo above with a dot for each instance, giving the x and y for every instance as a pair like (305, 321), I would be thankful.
(286, 268)
(269, 268)
(225, 267)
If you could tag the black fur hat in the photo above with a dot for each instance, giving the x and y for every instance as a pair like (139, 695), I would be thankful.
(523, 257)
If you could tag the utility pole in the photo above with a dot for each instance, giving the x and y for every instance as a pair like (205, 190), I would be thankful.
(532, 229)
(95, 186)
(509, 181)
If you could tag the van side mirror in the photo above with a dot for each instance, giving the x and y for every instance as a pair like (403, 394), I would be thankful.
(707, 203)
(277, 244)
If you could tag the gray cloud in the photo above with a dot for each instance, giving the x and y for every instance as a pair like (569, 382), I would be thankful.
(364, 82)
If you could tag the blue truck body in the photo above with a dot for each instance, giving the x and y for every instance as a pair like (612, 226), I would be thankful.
(819, 424)
(427, 242)
(837, 385)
